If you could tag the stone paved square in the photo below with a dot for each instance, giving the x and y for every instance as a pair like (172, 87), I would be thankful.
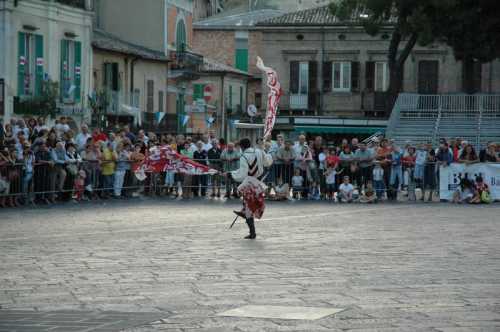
(401, 267)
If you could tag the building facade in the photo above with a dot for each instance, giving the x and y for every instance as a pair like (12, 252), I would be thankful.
(132, 78)
(335, 76)
(219, 97)
(41, 42)
(233, 41)
(159, 26)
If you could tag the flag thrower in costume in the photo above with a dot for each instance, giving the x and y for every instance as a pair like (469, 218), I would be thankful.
(252, 164)
(164, 158)
(273, 97)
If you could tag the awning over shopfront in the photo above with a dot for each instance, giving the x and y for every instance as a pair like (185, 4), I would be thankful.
(339, 130)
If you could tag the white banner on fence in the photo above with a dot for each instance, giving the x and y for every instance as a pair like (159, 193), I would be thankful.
(449, 178)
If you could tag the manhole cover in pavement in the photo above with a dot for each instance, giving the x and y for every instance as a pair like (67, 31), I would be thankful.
(73, 321)
(281, 312)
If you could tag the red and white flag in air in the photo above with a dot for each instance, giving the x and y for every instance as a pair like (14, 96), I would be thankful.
(273, 96)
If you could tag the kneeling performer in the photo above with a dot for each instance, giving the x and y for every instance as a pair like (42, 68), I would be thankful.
(252, 163)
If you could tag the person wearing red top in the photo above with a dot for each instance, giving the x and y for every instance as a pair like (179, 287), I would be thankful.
(99, 136)
(332, 160)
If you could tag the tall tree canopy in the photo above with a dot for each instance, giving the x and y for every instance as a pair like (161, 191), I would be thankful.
(470, 27)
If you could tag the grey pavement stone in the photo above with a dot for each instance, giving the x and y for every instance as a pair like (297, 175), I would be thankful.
(392, 267)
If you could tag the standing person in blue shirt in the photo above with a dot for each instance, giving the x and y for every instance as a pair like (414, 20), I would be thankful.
(396, 178)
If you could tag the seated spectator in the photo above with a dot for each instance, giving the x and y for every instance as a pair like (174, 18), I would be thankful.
(282, 191)
(482, 192)
(465, 192)
(346, 190)
(369, 195)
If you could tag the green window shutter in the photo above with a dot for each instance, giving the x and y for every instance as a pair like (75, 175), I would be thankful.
(78, 71)
(198, 91)
(242, 59)
(39, 65)
(181, 36)
(64, 68)
(231, 97)
(21, 64)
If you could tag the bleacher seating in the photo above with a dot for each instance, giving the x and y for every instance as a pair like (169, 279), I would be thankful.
(423, 118)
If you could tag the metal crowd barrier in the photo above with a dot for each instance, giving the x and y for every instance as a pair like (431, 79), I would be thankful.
(48, 183)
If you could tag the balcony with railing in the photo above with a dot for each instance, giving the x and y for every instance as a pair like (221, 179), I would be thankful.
(299, 102)
(120, 104)
(82, 4)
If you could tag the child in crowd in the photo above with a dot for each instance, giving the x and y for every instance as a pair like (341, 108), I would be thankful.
(369, 195)
(282, 191)
(378, 180)
(297, 184)
(79, 186)
(331, 175)
(482, 192)
(465, 192)
(315, 192)
(346, 190)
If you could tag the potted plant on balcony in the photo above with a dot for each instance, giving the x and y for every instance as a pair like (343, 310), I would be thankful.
(98, 102)
(44, 105)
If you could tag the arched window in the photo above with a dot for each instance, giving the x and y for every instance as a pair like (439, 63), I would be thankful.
(180, 39)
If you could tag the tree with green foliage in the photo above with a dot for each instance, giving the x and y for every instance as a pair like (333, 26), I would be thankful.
(470, 27)
(410, 22)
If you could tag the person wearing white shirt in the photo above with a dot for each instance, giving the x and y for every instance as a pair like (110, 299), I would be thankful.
(82, 138)
(346, 190)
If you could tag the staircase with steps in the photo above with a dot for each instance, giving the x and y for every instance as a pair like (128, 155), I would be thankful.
(427, 118)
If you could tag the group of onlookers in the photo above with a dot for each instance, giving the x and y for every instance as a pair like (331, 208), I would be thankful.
(43, 164)
(366, 172)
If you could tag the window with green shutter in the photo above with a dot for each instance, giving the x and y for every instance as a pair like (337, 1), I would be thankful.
(231, 97)
(241, 50)
(198, 91)
(39, 64)
(21, 64)
(70, 75)
(77, 71)
(180, 39)
(30, 64)
(242, 59)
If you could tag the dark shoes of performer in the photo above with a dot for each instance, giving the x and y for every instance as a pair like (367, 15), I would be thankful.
(251, 237)
(239, 214)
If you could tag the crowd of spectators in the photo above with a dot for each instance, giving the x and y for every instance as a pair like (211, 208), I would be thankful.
(44, 164)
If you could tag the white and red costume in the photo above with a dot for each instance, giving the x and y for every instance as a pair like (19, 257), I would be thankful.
(252, 163)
